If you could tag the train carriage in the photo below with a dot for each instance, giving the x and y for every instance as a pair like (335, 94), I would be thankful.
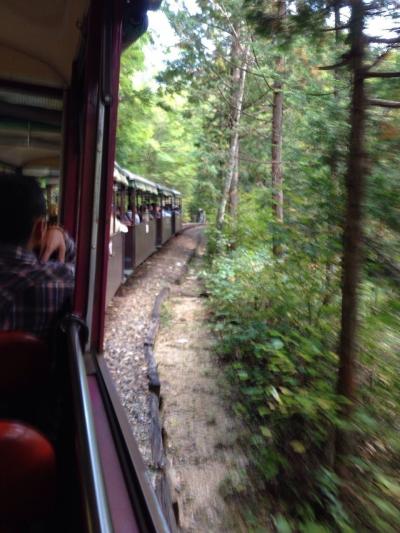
(59, 70)
(143, 235)
(138, 224)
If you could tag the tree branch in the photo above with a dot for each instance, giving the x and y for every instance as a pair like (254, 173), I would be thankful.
(379, 40)
(384, 103)
(257, 100)
(259, 66)
(337, 28)
(382, 75)
(342, 63)
(378, 60)
(321, 94)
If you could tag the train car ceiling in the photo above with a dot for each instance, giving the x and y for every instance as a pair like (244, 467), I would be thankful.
(30, 128)
(39, 40)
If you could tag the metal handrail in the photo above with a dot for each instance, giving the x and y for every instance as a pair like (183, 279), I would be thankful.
(96, 510)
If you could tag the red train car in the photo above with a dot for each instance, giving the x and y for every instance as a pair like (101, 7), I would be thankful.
(59, 71)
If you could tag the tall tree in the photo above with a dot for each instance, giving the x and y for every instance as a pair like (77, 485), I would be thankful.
(353, 226)
(277, 128)
(352, 235)
(234, 190)
(313, 18)
(239, 57)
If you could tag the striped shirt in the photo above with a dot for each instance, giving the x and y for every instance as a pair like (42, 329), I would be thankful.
(34, 295)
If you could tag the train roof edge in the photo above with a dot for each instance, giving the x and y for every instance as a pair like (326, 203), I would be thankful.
(143, 184)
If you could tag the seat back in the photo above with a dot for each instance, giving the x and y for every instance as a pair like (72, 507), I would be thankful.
(25, 364)
(28, 476)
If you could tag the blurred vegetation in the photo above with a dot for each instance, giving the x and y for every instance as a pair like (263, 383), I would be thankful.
(277, 323)
(156, 132)
(277, 318)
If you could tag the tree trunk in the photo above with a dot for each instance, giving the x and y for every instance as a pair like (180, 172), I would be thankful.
(276, 144)
(233, 193)
(333, 163)
(352, 235)
(239, 60)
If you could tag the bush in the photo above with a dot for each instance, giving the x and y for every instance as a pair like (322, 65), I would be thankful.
(277, 340)
(277, 325)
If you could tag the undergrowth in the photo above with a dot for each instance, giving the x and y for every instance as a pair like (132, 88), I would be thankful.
(277, 321)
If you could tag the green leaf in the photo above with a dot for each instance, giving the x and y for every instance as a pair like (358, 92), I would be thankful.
(282, 525)
(275, 394)
(298, 446)
(262, 410)
(313, 527)
(277, 344)
(243, 375)
(389, 485)
(266, 431)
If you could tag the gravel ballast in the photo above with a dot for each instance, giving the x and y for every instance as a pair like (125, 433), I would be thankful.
(127, 323)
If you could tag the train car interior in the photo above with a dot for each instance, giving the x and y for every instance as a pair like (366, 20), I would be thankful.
(67, 456)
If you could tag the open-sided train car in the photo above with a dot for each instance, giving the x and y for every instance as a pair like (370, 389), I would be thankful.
(150, 215)
(59, 70)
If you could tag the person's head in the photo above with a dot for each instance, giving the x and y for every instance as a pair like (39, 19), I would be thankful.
(22, 211)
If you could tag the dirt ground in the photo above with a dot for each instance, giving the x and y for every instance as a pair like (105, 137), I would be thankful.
(205, 461)
(201, 436)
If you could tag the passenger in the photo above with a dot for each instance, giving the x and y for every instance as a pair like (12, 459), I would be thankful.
(116, 226)
(137, 217)
(126, 218)
(145, 214)
(153, 210)
(201, 216)
(158, 212)
(119, 227)
(132, 215)
(36, 260)
(148, 208)
(141, 212)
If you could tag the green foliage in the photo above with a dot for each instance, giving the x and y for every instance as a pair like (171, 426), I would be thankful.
(277, 318)
(277, 340)
(277, 323)
(156, 131)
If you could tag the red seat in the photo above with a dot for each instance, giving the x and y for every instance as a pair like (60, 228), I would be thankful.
(24, 364)
(27, 474)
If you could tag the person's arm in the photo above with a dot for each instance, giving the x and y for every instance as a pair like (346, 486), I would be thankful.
(58, 243)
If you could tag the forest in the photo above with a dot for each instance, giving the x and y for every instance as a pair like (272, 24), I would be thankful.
(281, 120)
